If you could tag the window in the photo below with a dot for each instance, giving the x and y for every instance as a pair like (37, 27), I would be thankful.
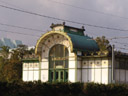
(66, 75)
(58, 56)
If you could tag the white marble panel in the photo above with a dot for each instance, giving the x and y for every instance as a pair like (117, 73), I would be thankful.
(91, 75)
(91, 64)
(105, 76)
(72, 64)
(25, 66)
(105, 63)
(84, 75)
(30, 75)
(79, 75)
(36, 66)
(30, 66)
(109, 75)
(85, 64)
(98, 64)
(126, 75)
(36, 75)
(98, 75)
(117, 74)
(44, 65)
(72, 75)
(122, 75)
(25, 76)
(79, 64)
(44, 75)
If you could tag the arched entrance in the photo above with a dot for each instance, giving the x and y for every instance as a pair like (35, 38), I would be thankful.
(58, 63)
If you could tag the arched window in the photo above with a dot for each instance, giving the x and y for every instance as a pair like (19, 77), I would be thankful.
(58, 57)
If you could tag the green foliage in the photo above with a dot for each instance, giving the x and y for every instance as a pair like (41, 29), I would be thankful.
(4, 51)
(102, 42)
(61, 89)
(92, 89)
(40, 89)
(13, 70)
(4, 54)
(10, 63)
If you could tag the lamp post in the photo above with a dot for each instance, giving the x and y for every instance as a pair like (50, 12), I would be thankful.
(113, 65)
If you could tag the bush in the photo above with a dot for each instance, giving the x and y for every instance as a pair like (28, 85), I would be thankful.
(38, 88)
(95, 89)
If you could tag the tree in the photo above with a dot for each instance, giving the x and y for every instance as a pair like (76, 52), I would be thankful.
(103, 43)
(11, 62)
(3, 62)
(4, 54)
(22, 50)
(4, 51)
(13, 69)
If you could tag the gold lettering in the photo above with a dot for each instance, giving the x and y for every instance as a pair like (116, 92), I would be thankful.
(59, 58)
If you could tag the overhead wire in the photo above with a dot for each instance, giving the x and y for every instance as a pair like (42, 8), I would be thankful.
(50, 17)
(118, 38)
(22, 27)
(18, 33)
(91, 10)
(121, 48)
(10, 4)
(15, 25)
(119, 42)
(122, 43)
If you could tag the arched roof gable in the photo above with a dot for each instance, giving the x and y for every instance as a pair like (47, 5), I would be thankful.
(44, 36)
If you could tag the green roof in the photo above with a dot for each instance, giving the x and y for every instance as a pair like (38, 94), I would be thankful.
(83, 43)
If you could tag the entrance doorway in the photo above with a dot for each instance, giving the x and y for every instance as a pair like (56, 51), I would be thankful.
(58, 75)
(58, 64)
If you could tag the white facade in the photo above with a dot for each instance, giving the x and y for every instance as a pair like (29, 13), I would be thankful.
(30, 71)
(81, 68)
(96, 70)
(87, 69)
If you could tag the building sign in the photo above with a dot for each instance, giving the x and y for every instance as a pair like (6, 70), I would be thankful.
(59, 58)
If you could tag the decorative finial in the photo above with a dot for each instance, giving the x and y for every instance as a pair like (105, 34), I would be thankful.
(63, 23)
(83, 28)
(52, 24)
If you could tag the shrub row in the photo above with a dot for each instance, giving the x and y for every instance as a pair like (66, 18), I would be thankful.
(92, 89)
(61, 89)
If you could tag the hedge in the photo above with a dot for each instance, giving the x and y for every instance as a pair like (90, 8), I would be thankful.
(61, 89)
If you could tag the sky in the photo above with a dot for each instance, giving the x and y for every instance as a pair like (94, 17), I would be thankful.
(105, 13)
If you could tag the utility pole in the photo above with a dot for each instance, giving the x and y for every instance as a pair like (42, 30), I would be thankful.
(113, 65)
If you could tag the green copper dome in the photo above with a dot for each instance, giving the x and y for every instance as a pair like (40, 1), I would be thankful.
(83, 43)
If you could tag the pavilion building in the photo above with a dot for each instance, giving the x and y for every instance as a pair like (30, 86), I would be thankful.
(65, 54)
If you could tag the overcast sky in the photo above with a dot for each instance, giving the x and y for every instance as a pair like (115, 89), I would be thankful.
(115, 15)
